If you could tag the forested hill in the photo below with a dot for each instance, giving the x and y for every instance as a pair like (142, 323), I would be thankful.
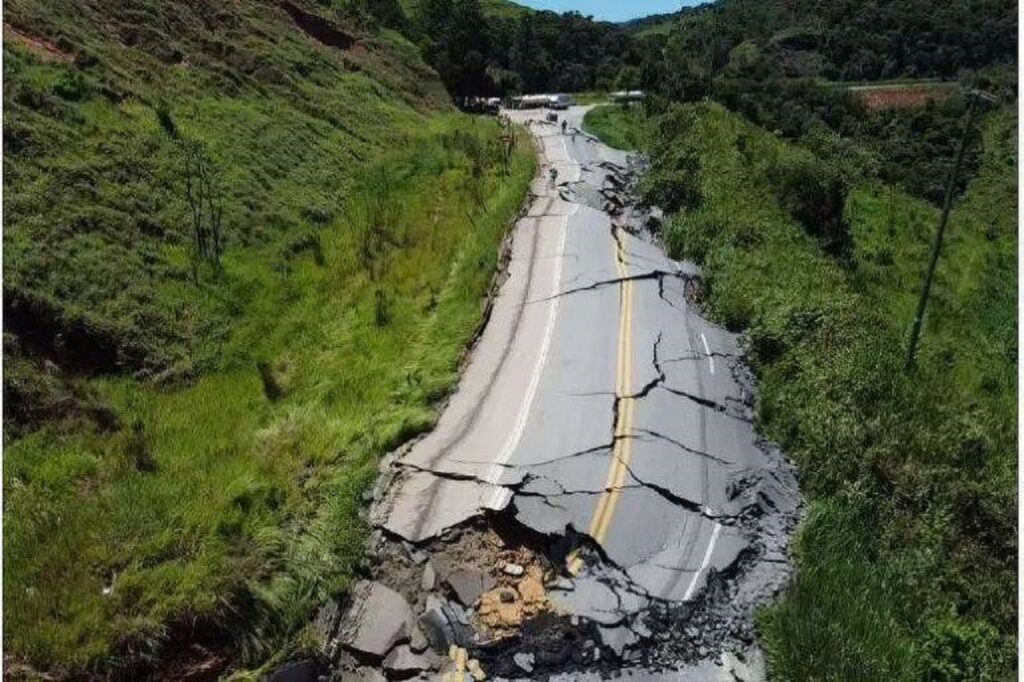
(498, 48)
(845, 39)
(493, 47)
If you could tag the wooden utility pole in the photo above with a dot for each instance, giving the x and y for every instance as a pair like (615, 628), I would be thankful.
(915, 334)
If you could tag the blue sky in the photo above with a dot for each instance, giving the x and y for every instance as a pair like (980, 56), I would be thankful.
(611, 10)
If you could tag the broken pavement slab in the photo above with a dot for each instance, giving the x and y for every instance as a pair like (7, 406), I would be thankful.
(379, 619)
(403, 661)
(469, 584)
(442, 626)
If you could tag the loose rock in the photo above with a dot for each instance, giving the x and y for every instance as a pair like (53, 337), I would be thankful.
(442, 627)
(474, 669)
(404, 660)
(514, 570)
(429, 579)
(418, 641)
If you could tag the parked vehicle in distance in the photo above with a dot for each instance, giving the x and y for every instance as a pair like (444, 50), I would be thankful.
(624, 96)
(560, 101)
(530, 101)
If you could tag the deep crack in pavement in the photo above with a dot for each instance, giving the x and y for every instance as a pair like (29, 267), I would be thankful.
(594, 500)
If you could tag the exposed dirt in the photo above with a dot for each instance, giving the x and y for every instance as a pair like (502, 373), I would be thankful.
(902, 96)
(45, 49)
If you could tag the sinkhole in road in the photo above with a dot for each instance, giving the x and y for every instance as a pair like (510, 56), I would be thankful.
(495, 597)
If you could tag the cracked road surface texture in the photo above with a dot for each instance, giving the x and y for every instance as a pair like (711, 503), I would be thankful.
(600, 412)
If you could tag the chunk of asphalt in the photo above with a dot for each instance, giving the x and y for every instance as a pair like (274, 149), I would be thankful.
(429, 579)
(417, 640)
(442, 626)
(524, 661)
(379, 619)
(618, 639)
(602, 597)
(468, 585)
(404, 661)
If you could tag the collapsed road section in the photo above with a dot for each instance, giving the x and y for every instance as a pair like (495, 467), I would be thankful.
(594, 500)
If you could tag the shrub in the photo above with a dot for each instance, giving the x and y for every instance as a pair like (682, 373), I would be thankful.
(814, 193)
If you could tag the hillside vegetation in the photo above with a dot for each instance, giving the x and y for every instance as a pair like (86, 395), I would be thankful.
(846, 40)
(485, 48)
(810, 70)
(909, 548)
(245, 248)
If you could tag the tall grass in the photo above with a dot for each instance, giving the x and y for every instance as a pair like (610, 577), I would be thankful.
(250, 515)
(619, 126)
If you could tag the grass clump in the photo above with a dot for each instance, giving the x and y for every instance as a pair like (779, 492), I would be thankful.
(910, 544)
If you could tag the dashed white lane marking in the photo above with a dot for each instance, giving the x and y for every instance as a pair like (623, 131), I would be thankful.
(705, 563)
(707, 351)
(501, 496)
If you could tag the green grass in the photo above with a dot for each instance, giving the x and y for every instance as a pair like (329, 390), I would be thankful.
(253, 500)
(618, 126)
(592, 97)
(910, 544)
(495, 9)
(203, 481)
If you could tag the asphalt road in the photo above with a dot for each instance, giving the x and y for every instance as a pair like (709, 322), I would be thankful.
(599, 405)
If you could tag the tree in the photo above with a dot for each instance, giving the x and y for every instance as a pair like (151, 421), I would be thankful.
(457, 45)
(204, 196)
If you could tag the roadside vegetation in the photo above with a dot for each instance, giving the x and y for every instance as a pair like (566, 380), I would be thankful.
(909, 548)
(227, 292)
(620, 127)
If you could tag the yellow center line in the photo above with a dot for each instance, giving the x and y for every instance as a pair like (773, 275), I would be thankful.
(605, 509)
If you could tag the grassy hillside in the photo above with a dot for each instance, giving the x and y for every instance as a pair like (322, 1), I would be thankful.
(191, 423)
(909, 549)
(497, 9)
(904, 467)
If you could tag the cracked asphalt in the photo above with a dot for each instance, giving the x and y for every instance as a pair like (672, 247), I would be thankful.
(610, 423)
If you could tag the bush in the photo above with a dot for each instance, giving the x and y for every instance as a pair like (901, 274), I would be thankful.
(958, 649)
(674, 179)
(71, 86)
(814, 193)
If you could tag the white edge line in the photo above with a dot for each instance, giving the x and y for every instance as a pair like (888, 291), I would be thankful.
(707, 351)
(500, 496)
(703, 564)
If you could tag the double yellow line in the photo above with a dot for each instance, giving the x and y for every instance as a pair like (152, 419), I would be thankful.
(605, 510)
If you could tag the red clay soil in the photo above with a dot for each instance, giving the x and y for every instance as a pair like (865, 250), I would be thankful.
(901, 97)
